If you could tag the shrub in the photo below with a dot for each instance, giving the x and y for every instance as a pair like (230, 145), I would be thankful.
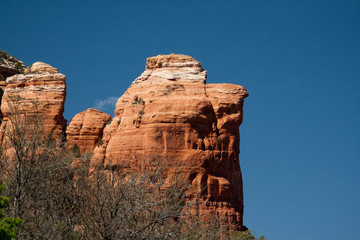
(19, 67)
(100, 142)
(59, 195)
(8, 225)
(75, 150)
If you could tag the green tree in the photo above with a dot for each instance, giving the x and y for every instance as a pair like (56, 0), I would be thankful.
(245, 235)
(8, 225)
(38, 173)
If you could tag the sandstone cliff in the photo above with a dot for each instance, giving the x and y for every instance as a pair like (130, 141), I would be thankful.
(9, 66)
(86, 129)
(170, 112)
(39, 92)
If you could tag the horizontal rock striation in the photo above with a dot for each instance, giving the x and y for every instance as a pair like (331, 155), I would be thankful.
(39, 94)
(9, 66)
(169, 112)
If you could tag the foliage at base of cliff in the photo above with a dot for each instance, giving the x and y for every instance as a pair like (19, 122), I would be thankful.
(57, 194)
(8, 225)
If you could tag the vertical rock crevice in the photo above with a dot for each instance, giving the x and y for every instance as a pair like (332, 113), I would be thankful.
(193, 125)
(169, 113)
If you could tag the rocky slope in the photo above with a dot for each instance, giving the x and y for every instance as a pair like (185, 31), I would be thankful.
(9, 65)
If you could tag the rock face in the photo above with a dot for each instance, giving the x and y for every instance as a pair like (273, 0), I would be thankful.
(170, 112)
(9, 65)
(39, 93)
(40, 67)
(86, 129)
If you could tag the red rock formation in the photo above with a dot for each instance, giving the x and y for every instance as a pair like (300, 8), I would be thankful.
(170, 112)
(39, 92)
(86, 129)
(9, 66)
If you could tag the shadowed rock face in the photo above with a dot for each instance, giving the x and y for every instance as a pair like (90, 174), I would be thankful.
(39, 92)
(170, 112)
(9, 66)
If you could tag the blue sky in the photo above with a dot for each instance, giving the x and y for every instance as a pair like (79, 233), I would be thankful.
(299, 61)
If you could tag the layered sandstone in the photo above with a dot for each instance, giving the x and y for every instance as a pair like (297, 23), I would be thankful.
(86, 129)
(9, 66)
(39, 94)
(170, 112)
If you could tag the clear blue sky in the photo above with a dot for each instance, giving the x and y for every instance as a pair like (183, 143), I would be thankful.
(299, 61)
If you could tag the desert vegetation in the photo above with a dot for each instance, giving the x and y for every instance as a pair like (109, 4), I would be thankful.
(51, 194)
